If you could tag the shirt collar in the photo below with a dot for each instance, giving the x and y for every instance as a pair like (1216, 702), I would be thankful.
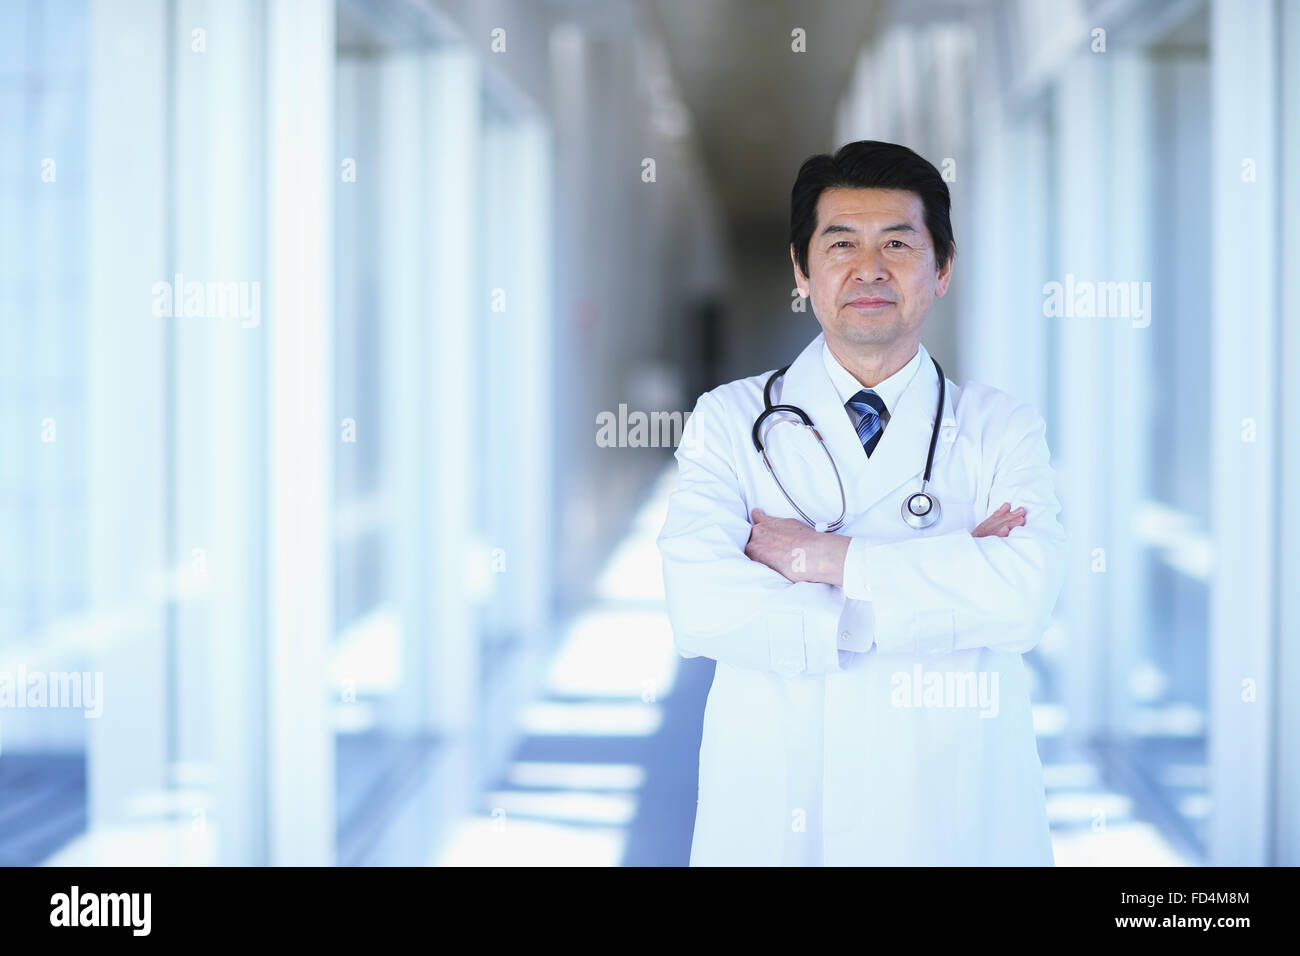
(889, 390)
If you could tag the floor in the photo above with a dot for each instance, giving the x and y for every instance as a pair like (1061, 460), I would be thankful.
(42, 804)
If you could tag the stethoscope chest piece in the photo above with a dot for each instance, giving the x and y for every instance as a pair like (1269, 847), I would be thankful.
(921, 509)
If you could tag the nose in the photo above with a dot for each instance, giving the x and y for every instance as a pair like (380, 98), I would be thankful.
(869, 265)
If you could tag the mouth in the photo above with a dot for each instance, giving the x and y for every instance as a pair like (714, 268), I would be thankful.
(870, 303)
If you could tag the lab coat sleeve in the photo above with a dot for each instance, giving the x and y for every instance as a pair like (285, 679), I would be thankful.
(934, 595)
(722, 604)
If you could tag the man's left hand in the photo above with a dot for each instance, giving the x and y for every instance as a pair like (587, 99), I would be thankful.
(796, 551)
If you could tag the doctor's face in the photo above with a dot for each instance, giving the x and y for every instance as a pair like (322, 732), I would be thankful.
(872, 270)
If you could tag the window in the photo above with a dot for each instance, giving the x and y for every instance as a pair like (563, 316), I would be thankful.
(44, 566)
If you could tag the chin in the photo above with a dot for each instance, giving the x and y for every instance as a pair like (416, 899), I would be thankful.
(868, 334)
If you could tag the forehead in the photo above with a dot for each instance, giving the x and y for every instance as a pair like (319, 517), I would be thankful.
(866, 208)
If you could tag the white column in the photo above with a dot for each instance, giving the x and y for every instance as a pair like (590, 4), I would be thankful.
(1129, 252)
(217, 406)
(300, 60)
(1030, 380)
(1084, 383)
(1002, 247)
(1244, 507)
(532, 360)
(127, 231)
(985, 249)
(405, 322)
(1286, 797)
(454, 301)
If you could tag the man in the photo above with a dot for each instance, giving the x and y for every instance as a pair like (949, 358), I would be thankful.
(869, 704)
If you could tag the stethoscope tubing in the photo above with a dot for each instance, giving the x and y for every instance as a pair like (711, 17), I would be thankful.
(770, 409)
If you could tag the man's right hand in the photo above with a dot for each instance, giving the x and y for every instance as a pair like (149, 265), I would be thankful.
(1000, 522)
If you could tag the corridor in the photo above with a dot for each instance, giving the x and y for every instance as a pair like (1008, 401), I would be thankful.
(343, 344)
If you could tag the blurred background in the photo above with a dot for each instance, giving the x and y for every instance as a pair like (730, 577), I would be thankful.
(311, 311)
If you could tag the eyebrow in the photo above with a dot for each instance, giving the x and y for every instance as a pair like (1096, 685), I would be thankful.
(841, 227)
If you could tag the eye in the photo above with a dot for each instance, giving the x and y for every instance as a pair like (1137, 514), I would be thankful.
(844, 241)
(901, 243)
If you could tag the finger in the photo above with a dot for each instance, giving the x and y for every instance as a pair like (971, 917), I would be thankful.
(1000, 522)
(1003, 527)
(758, 514)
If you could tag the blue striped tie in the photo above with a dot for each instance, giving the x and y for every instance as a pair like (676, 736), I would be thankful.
(872, 416)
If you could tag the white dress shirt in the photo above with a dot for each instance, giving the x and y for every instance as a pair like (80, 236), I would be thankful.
(860, 638)
(889, 390)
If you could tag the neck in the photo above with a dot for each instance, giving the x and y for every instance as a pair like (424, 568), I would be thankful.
(872, 365)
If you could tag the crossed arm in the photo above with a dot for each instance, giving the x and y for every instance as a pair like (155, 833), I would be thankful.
(734, 593)
(776, 542)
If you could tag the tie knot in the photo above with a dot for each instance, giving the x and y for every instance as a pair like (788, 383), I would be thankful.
(867, 400)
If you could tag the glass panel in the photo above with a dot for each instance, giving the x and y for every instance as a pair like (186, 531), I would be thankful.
(367, 631)
(44, 577)
(498, 461)
(382, 175)
(1168, 686)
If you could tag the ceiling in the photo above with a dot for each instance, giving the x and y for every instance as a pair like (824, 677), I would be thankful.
(758, 108)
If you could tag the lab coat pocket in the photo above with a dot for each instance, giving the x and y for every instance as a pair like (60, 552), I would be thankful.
(934, 631)
(785, 641)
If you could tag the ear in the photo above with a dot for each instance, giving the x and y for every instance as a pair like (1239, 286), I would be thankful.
(945, 274)
(800, 280)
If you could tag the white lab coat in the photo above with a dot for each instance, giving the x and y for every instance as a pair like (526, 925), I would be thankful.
(816, 755)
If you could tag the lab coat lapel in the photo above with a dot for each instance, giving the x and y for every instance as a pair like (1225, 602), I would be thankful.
(900, 454)
(807, 385)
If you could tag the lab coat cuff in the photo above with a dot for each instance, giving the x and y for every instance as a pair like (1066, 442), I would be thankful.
(857, 582)
(898, 626)
(802, 639)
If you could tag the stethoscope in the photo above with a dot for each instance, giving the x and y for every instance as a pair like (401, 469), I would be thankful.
(920, 509)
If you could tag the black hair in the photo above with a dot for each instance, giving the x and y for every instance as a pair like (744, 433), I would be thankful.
(868, 164)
